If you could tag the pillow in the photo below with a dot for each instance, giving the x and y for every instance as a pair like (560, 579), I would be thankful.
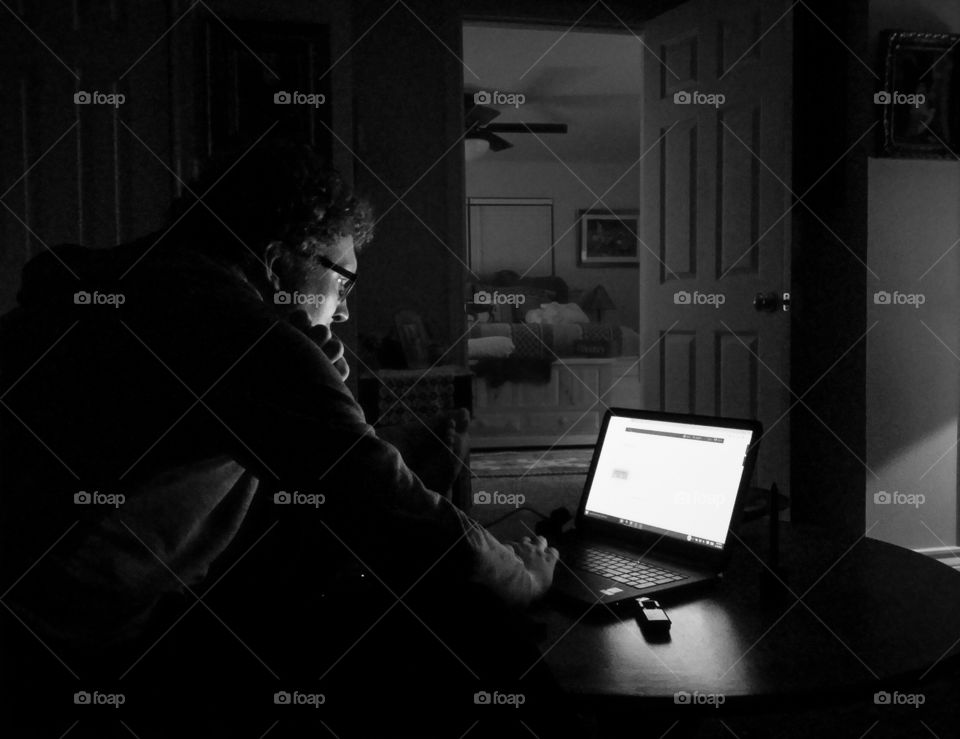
(563, 313)
(490, 347)
(483, 330)
(565, 336)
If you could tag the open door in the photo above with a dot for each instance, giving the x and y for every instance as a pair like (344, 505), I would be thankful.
(715, 216)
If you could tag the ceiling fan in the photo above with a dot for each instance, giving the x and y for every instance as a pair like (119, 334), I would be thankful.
(478, 121)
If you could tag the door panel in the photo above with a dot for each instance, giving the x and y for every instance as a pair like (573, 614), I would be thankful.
(678, 372)
(737, 374)
(738, 191)
(717, 124)
(678, 203)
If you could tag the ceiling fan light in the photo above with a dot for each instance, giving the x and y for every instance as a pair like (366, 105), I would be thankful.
(473, 149)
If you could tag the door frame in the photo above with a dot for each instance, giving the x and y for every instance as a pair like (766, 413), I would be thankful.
(829, 286)
(824, 319)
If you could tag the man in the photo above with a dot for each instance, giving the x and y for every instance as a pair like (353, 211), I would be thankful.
(175, 417)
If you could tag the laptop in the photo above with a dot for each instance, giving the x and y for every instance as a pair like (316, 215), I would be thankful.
(662, 494)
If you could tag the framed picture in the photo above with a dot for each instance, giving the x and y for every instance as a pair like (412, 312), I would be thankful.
(608, 238)
(920, 99)
(260, 74)
(413, 338)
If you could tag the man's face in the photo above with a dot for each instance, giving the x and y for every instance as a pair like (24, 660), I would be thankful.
(325, 283)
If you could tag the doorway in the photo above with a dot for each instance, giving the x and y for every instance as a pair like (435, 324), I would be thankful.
(709, 188)
(557, 122)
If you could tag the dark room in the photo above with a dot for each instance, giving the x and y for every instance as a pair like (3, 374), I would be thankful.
(545, 368)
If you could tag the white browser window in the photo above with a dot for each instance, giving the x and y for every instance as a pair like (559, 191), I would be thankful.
(673, 477)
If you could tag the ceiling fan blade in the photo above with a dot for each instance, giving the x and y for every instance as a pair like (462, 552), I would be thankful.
(474, 114)
(497, 143)
(527, 127)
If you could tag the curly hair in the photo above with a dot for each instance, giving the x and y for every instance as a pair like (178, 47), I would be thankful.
(277, 191)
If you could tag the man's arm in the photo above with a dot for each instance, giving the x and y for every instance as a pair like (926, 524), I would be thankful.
(435, 448)
(288, 416)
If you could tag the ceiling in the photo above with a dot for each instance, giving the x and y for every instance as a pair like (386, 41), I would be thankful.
(589, 80)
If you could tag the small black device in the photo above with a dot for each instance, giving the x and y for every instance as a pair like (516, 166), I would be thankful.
(652, 617)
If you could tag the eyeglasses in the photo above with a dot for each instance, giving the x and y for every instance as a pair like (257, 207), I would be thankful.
(345, 278)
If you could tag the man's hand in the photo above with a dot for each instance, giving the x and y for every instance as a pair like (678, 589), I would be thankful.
(333, 348)
(323, 337)
(539, 559)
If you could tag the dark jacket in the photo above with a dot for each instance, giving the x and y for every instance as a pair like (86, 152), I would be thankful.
(164, 377)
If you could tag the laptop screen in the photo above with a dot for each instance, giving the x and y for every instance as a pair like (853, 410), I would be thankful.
(669, 477)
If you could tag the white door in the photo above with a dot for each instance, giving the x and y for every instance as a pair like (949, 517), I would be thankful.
(715, 222)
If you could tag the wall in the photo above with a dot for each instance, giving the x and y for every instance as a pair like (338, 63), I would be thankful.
(74, 173)
(913, 354)
(409, 120)
(94, 183)
(487, 178)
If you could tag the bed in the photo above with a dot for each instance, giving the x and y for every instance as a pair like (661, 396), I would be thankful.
(541, 361)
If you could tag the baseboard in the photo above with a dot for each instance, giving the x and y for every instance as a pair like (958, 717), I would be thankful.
(934, 551)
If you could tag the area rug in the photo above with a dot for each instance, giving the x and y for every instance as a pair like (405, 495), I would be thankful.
(504, 484)
(527, 462)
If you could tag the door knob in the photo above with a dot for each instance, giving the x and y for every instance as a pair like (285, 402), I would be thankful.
(768, 302)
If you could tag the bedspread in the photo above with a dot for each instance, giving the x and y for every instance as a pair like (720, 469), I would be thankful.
(550, 341)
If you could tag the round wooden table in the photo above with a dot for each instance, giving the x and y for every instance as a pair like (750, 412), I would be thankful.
(839, 624)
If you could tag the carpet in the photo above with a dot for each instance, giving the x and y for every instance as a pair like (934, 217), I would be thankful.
(525, 462)
(504, 483)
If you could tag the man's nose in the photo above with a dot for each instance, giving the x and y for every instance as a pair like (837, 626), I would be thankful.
(342, 313)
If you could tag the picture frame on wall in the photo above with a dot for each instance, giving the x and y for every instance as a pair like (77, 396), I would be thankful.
(251, 72)
(608, 238)
(413, 339)
(920, 100)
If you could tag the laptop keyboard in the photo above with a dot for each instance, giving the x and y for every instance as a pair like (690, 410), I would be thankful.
(622, 569)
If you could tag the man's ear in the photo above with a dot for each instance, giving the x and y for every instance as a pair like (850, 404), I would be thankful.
(271, 261)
